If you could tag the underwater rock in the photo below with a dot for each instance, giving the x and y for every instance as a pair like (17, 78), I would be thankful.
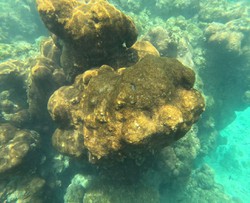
(227, 53)
(103, 192)
(15, 144)
(171, 45)
(161, 39)
(93, 32)
(140, 49)
(179, 38)
(117, 114)
(231, 37)
(12, 74)
(134, 54)
(224, 39)
(203, 186)
(13, 100)
(76, 190)
(26, 189)
(45, 77)
(175, 160)
(200, 187)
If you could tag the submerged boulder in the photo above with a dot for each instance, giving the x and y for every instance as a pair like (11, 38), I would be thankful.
(117, 114)
(92, 32)
(45, 77)
(15, 145)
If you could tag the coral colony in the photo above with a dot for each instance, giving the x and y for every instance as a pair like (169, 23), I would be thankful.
(102, 115)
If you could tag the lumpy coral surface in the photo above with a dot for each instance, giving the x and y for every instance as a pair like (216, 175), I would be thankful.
(117, 113)
(93, 32)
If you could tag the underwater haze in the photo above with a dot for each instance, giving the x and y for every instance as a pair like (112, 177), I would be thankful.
(123, 101)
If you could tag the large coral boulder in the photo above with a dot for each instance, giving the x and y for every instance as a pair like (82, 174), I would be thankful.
(93, 31)
(125, 112)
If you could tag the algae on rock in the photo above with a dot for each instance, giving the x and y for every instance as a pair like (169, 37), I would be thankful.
(93, 32)
(120, 113)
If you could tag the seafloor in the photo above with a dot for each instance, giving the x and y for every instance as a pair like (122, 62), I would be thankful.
(94, 106)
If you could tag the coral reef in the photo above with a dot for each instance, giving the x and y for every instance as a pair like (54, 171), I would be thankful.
(49, 48)
(34, 80)
(104, 192)
(144, 107)
(231, 37)
(124, 111)
(13, 100)
(173, 171)
(202, 186)
(15, 144)
(45, 77)
(26, 189)
(93, 32)
(228, 41)
(222, 11)
(76, 190)
(161, 39)
(174, 161)
(12, 74)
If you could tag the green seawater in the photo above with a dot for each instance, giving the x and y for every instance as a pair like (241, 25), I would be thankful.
(231, 160)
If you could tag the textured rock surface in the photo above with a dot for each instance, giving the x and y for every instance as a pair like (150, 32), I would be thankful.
(228, 48)
(15, 144)
(44, 78)
(13, 100)
(109, 193)
(176, 159)
(119, 113)
(93, 32)
(23, 189)
(202, 186)
(12, 74)
(223, 38)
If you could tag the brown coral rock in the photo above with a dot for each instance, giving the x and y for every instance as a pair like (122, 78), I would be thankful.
(12, 74)
(15, 144)
(93, 31)
(120, 113)
(44, 78)
(143, 48)
(13, 100)
(134, 54)
(28, 188)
